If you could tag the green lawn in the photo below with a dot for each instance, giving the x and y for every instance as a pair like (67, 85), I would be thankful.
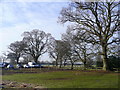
(68, 79)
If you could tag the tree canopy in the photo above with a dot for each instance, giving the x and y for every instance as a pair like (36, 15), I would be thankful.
(36, 42)
(98, 20)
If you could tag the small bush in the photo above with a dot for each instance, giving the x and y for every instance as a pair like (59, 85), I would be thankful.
(114, 62)
(99, 64)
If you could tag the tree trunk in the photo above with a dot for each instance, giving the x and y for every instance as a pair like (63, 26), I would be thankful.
(56, 63)
(64, 63)
(3, 60)
(60, 64)
(72, 66)
(85, 65)
(36, 59)
(17, 60)
(105, 59)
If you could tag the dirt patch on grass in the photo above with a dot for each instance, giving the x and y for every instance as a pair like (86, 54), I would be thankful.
(14, 84)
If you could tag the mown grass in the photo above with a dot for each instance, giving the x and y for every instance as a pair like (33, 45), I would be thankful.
(68, 79)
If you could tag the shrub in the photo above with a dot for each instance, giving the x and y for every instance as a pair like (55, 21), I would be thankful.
(99, 64)
(114, 62)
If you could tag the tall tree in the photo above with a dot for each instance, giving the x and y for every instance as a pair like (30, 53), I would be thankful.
(99, 20)
(2, 58)
(80, 50)
(37, 42)
(58, 51)
(53, 52)
(27, 58)
(16, 50)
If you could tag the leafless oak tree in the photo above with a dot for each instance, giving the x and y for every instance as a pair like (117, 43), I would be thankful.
(100, 20)
(80, 50)
(58, 50)
(37, 42)
(16, 50)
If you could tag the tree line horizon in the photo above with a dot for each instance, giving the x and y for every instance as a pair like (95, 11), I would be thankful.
(92, 32)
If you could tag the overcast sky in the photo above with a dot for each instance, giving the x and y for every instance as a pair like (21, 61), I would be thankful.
(17, 16)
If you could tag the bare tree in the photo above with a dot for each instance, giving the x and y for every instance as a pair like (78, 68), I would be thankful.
(2, 58)
(100, 20)
(53, 52)
(37, 42)
(58, 51)
(27, 58)
(114, 50)
(16, 50)
(80, 50)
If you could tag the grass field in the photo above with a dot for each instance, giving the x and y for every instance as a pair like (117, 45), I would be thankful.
(68, 79)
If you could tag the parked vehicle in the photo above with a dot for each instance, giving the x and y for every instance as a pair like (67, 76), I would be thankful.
(34, 65)
(37, 66)
(26, 66)
(19, 66)
(10, 66)
(3, 65)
